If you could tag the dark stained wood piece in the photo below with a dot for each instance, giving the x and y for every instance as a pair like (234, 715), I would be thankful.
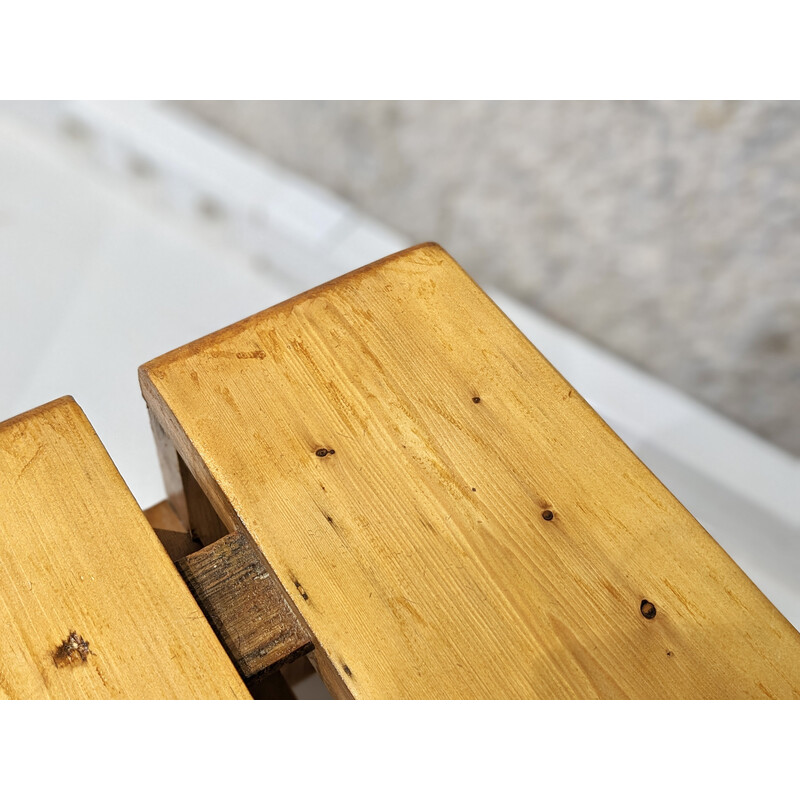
(245, 606)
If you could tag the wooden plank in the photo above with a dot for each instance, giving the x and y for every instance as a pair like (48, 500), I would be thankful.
(447, 515)
(90, 604)
(245, 606)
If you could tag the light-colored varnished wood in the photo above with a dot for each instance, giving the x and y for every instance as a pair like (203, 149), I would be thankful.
(447, 515)
(77, 556)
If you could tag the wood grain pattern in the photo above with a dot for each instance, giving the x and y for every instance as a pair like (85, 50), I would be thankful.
(77, 556)
(244, 605)
(447, 515)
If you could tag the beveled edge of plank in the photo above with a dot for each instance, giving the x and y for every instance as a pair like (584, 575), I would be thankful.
(198, 344)
(31, 413)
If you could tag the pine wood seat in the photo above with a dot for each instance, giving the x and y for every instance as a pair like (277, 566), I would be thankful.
(444, 514)
(90, 605)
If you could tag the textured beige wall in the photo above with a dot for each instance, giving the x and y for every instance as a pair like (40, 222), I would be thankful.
(668, 232)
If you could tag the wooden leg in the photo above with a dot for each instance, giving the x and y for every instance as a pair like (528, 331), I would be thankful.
(187, 499)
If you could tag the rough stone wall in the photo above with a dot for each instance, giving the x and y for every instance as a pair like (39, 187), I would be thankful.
(668, 232)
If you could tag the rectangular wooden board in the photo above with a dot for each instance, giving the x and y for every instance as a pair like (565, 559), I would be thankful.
(447, 515)
(90, 604)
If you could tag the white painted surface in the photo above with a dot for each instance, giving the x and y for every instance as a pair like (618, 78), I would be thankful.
(126, 231)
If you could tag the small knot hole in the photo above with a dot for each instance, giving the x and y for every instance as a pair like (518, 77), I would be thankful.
(648, 609)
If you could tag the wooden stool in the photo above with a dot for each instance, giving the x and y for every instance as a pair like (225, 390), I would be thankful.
(437, 512)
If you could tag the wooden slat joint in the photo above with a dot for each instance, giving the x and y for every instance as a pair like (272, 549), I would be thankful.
(245, 606)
